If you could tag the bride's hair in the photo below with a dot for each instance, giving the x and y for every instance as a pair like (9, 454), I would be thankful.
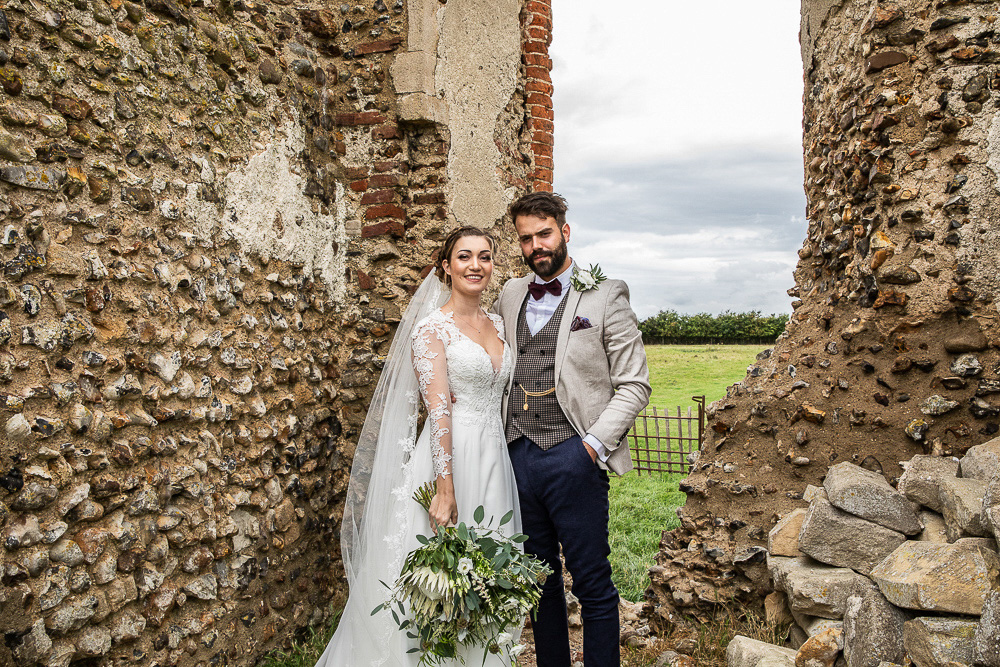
(448, 247)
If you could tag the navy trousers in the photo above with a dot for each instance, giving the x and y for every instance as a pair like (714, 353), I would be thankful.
(564, 500)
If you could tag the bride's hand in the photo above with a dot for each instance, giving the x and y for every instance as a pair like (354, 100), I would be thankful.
(443, 510)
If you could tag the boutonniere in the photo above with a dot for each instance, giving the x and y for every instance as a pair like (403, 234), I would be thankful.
(587, 280)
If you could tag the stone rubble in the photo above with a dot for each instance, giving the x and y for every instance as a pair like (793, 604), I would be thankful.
(933, 600)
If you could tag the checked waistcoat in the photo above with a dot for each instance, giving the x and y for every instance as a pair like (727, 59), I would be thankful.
(543, 422)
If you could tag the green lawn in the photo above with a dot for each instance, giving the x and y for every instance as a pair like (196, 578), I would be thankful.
(643, 507)
(678, 372)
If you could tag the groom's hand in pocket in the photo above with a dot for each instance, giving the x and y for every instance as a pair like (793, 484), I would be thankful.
(591, 451)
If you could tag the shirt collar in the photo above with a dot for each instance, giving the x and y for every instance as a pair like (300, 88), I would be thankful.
(563, 277)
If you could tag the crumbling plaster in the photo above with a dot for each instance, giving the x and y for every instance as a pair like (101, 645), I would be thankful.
(442, 80)
(268, 212)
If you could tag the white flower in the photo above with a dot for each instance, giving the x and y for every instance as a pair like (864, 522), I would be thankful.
(587, 280)
(465, 565)
(504, 638)
(432, 584)
(517, 650)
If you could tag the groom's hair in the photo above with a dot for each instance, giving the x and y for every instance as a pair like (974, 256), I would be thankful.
(541, 205)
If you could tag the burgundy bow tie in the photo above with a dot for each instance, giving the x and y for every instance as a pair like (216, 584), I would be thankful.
(538, 290)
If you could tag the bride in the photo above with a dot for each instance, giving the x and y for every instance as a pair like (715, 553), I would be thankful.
(454, 356)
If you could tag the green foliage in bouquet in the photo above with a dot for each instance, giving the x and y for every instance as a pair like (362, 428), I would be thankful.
(465, 586)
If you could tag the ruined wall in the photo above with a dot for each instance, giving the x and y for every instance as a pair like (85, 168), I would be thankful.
(211, 215)
(892, 347)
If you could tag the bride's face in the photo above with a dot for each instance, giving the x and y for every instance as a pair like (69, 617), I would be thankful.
(470, 265)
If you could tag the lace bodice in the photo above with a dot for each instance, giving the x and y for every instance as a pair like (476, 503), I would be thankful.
(447, 362)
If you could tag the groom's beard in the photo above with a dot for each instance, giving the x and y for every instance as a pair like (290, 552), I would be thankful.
(545, 263)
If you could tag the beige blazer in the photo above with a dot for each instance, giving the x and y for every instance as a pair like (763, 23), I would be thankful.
(602, 381)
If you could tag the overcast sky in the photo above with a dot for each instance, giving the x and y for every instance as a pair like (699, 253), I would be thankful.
(678, 146)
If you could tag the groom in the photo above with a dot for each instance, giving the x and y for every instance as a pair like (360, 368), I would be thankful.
(580, 379)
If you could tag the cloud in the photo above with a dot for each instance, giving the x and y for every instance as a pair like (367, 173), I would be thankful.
(715, 233)
(653, 81)
(679, 150)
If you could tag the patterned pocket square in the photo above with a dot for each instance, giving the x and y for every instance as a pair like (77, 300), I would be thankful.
(580, 323)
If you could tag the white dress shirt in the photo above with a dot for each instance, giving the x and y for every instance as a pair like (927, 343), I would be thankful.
(537, 314)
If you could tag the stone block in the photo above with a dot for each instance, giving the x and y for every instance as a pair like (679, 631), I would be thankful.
(868, 495)
(962, 506)
(985, 542)
(935, 529)
(813, 625)
(783, 540)
(987, 637)
(922, 479)
(815, 589)
(991, 507)
(796, 638)
(981, 462)
(935, 642)
(820, 650)
(812, 492)
(745, 652)
(953, 578)
(873, 631)
(776, 611)
(991, 519)
(837, 538)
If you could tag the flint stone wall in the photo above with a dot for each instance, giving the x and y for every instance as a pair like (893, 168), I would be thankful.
(892, 347)
(211, 216)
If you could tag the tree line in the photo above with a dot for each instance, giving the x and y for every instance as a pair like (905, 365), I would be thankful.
(670, 327)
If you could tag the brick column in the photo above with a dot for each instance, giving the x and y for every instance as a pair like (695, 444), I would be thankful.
(538, 65)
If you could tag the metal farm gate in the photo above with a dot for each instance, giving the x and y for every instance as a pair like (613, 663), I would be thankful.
(660, 442)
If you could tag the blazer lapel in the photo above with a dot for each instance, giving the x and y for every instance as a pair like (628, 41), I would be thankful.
(510, 310)
(569, 313)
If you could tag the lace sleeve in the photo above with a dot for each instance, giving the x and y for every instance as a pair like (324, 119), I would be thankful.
(431, 367)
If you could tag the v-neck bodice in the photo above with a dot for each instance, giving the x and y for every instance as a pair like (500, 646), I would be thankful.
(474, 378)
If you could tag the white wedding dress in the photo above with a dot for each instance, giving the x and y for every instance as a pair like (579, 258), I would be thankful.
(446, 363)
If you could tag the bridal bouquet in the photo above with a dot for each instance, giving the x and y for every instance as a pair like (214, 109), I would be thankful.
(466, 586)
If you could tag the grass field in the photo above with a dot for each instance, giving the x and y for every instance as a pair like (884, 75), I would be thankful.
(678, 372)
(641, 509)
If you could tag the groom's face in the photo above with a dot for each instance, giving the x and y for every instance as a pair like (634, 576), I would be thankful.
(543, 244)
